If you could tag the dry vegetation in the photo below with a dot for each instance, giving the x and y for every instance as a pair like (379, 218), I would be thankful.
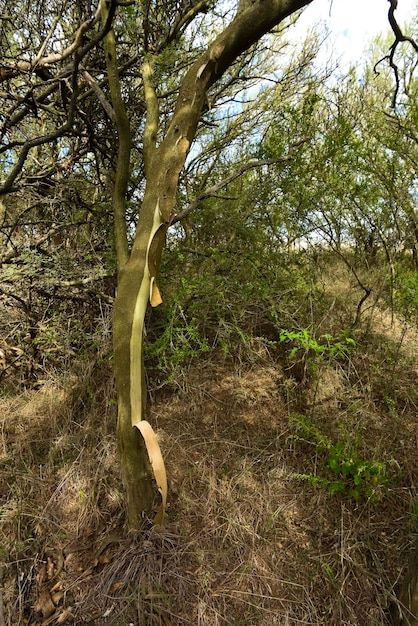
(248, 541)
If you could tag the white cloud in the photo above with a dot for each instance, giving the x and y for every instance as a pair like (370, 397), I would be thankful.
(353, 23)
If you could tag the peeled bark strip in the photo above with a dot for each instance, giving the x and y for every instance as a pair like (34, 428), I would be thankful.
(157, 464)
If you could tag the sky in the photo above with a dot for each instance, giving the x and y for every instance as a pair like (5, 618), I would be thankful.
(354, 22)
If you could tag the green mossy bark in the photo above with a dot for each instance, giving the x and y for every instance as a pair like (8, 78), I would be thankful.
(136, 470)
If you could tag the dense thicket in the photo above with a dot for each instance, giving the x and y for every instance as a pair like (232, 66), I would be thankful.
(291, 257)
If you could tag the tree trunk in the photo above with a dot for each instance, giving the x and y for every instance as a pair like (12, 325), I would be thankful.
(406, 613)
(138, 271)
(135, 467)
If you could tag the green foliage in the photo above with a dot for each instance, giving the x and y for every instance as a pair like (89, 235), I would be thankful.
(360, 476)
(406, 293)
(224, 299)
(310, 352)
(342, 468)
(330, 348)
(178, 343)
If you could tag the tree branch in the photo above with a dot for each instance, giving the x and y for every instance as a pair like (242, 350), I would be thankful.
(184, 20)
(244, 30)
(399, 38)
(100, 96)
(39, 61)
(152, 116)
(124, 145)
(212, 191)
(7, 185)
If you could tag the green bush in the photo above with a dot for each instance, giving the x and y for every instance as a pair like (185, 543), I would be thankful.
(343, 470)
(405, 295)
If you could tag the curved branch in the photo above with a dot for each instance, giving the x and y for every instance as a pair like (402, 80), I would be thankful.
(124, 145)
(39, 61)
(212, 191)
(399, 38)
(184, 20)
(8, 185)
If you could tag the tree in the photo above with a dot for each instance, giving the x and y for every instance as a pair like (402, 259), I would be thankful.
(47, 95)
(70, 113)
(138, 271)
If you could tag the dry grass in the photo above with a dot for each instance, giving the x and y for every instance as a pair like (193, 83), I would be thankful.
(246, 543)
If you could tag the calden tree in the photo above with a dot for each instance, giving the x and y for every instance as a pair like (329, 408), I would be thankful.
(138, 267)
(88, 87)
(56, 94)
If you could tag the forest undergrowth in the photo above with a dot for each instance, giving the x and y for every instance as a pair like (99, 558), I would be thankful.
(292, 464)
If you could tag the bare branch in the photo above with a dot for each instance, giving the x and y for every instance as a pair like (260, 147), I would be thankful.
(124, 147)
(100, 96)
(212, 191)
(8, 185)
(399, 38)
(184, 20)
(45, 42)
(39, 61)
